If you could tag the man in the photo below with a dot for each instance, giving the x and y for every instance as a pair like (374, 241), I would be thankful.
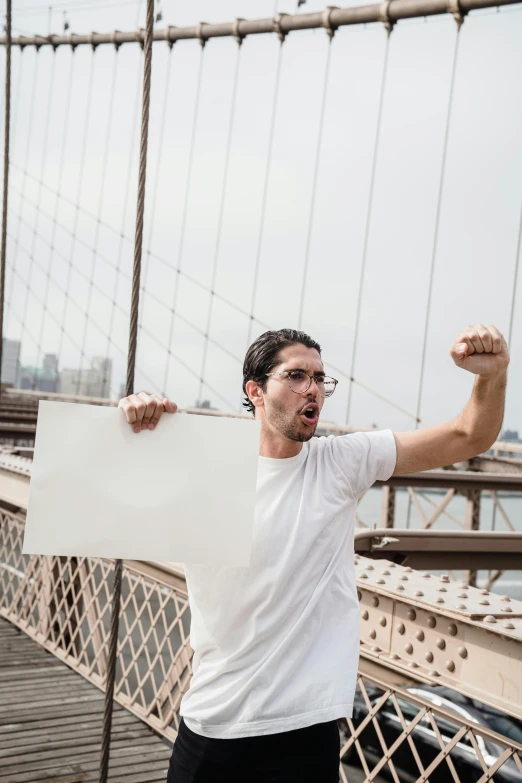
(276, 644)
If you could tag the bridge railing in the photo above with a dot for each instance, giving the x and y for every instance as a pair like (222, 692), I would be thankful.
(63, 603)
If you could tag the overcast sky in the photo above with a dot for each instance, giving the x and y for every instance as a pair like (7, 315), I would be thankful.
(54, 130)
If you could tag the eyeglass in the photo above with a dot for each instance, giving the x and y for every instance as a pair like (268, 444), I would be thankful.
(300, 381)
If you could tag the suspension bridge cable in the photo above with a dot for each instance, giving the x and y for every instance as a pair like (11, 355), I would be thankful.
(368, 224)
(100, 209)
(314, 181)
(31, 125)
(186, 320)
(264, 198)
(220, 218)
(122, 237)
(56, 202)
(188, 184)
(39, 197)
(159, 158)
(85, 127)
(7, 127)
(449, 113)
(131, 366)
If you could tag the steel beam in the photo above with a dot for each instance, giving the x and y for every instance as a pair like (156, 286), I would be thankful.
(330, 19)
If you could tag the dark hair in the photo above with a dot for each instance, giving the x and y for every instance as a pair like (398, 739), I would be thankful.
(263, 355)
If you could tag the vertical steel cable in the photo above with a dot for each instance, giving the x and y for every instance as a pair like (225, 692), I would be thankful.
(159, 161)
(123, 220)
(314, 182)
(368, 223)
(17, 92)
(131, 362)
(36, 220)
(265, 191)
(220, 221)
(56, 202)
(98, 220)
(181, 243)
(435, 242)
(7, 119)
(515, 281)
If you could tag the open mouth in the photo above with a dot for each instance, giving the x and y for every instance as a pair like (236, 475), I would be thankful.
(310, 414)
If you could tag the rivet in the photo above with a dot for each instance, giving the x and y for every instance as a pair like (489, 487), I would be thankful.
(375, 648)
(365, 615)
(394, 656)
(442, 589)
(400, 587)
(381, 581)
(484, 592)
(375, 601)
(412, 665)
(404, 578)
(505, 598)
(432, 621)
(462, 595)
(420, 636)
(439, 600)
(370, 567)
(359, 594)
(507, 609)
(412, 614)
(434, 673)
(408, 570)
(452, 629)
(463, 585)
(392, 565)
(408, 648)
(461, 606)
(382, 621)
(484, 602)
(441, 644)
(509, 626)
(386, 573)
(419, 593)
(401, 628)
(372, 634)
(463, 652)
(450, 666)
(363, 576)
(429, 657)
(489, 619)
(444, 578)
(426, 576)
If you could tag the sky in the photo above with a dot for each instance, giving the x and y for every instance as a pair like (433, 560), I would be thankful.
(260, 189)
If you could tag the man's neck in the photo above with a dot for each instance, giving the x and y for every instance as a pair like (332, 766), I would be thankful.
(278, 448)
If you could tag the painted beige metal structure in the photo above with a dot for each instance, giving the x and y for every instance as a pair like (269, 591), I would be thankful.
(415, 629)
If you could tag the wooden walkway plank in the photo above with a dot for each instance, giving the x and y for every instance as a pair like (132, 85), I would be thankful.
(51, 722)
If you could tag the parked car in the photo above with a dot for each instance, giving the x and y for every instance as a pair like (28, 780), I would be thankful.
(463, 755)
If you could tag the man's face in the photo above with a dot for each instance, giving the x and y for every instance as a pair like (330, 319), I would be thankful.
(284, 410)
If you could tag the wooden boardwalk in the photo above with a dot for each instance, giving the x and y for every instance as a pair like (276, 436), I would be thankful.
(51, 721)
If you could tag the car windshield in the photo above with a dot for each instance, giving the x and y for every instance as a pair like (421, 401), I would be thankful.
(506, 726)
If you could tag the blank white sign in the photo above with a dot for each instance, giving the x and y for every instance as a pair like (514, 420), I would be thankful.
(183, 492)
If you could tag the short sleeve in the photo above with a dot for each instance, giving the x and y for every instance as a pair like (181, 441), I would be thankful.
(365, 457)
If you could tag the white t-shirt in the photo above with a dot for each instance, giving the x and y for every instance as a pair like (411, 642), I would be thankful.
(276, 644)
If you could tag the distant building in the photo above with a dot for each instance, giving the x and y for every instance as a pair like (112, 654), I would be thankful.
(10, 361)
(205, 404)
(94, 381)
(45, 379)
(510, 435)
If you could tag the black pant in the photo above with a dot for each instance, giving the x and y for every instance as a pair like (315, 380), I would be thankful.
(308, 755)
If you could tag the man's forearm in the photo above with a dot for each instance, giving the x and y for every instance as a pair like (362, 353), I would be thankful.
(481, 419)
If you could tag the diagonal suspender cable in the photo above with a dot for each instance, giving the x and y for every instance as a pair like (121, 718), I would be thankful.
(188, 184)
(15, 124)
(435, 240)
(314, 182)
(368, 223)
(131, 362)
(7, 118)
(515, 281)
(220, 219)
